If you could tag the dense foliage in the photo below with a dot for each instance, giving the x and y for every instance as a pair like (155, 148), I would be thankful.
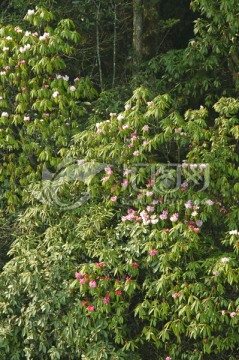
(40, 109)
(123, 215)
(156, 272)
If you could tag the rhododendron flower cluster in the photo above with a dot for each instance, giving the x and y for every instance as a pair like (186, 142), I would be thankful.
(153, 252)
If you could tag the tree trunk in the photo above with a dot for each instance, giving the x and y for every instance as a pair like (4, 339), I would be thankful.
(137, 30)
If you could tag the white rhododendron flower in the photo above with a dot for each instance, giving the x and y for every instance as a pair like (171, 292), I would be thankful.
(55, 94)
(120, 117)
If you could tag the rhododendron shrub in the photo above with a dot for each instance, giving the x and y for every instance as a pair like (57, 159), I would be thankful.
(147, 267)
(41, 105)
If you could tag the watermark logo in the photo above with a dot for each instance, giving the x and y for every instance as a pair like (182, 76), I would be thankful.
(167, 178)
(71, 177)
(69, 186)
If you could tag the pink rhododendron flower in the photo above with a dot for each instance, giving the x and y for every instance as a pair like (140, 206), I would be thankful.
(196, 230)
(168, 358)
(149, 193)
(166, 230)
(233, 314)
(100, 265)
(128, 278)
(155, 202)
(106, 178)
(136, 153)
(106, 300)
(100, 131)
(118, 292)
(176, 295)
(92, 284)
(153, 252)
(209, 202)
(150, 208)
(174, 217)
(135, 265)
(17, 29)
(134, 136)
(78, 275)
(184, 165)
(199, 223)
(124, 183)
(164, 215)
(113, 198)
(26, 118)
(149, 103)
(44, 36)
(76, 79)
(145, 128)
(145, 143)
(82, 281)
(72, 88)
(144, 214)
(223, 312)
(127, 171)
(154, 220)
(90, 308)
(184, 184)
(109, 171)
